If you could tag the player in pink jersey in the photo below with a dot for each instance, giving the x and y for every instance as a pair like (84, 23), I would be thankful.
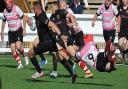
(13, 15)
(101, 61)
(108, 12)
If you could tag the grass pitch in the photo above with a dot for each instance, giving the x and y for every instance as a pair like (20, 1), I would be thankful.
(12, 78)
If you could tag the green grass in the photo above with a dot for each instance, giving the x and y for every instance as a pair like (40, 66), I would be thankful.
(11, 78)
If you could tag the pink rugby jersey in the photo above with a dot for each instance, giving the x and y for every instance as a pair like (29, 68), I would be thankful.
(13, 18)
(89, 54)
(108, 16)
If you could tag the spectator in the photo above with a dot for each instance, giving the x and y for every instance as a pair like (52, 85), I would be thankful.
(77, 7)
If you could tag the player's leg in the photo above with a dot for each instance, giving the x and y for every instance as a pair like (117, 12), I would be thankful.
(20, 49)
(110, 56)
(65, 63)
(19, 44)
(125, 50)
(43, 60)
(81, 63)
(121, 42)
(16, 55)
(11, 39)
(55, 62)
(34, 61)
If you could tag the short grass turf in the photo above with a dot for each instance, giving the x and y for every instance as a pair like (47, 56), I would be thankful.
(12, 78)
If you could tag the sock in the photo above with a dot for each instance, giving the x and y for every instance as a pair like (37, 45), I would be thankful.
(17, 57)
(55, 61)
(108, 44)
(67, 66)
(42, 57)
(84, 67)
(70, 62)
(35, 63)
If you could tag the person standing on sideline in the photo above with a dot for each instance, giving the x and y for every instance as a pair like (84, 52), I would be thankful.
(13, 15)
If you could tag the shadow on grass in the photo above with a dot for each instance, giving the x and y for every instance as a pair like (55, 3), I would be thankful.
(10, 66)
(69, 82)
(41, 69)
(36, 80)
(108, 85)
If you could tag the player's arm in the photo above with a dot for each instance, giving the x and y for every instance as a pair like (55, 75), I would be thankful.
(51, 24)
(98, 13)
(2, 28)
(118, 21)
(94, 19)
(72, 19)
(55, 28)
(118, 18)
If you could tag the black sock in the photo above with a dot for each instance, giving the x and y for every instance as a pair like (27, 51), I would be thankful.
(35, 63)
(67, 66)
(55, 61)
(70, 62)
(42, 57)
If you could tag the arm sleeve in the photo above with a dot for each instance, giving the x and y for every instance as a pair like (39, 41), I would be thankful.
(20, 12)
(3, 18)
(99, 11)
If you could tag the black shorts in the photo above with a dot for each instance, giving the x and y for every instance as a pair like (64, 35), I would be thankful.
(14, 36)
(109, 35)
(79, 38)
(45, 46)
(101, 62)
(70, 41)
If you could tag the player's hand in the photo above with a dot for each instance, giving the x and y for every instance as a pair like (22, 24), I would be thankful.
(93, 24)
(2, 37)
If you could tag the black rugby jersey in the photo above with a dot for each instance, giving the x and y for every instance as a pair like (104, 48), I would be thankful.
(59, 18)
(42, 27)
(123, 12)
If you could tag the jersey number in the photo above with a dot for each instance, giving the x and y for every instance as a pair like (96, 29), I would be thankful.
(90, 57)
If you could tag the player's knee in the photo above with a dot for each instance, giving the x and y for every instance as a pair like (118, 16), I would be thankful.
(30, 54)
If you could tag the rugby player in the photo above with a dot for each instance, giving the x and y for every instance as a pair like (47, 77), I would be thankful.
(13, 15)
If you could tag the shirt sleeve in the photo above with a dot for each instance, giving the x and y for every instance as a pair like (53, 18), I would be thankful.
(19, 11)
(99, 10)
(3, 18)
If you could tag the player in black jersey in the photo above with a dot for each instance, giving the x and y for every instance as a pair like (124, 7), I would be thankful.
(123, 32)
(68, 48)
(46, 41)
